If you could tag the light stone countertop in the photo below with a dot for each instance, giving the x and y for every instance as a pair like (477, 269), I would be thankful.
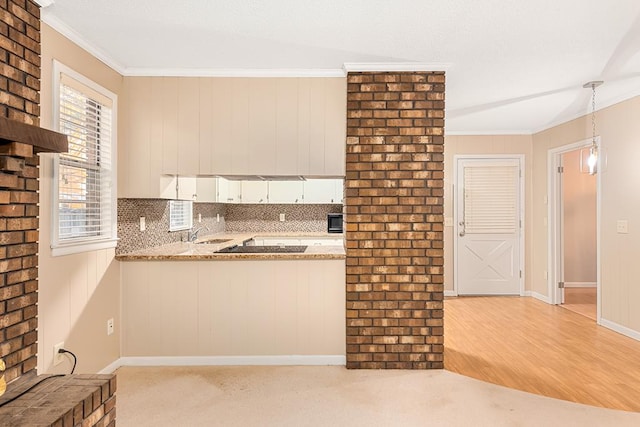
(203, 250)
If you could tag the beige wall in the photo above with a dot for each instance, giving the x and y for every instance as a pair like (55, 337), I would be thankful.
(484, 144)
(579, 220)
(77, 293)
(619, 130)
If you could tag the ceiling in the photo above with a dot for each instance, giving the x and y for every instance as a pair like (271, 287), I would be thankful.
(513, 66)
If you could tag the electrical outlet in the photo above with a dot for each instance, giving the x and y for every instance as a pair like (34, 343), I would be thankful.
(217, 217)
(281, 217)
(143, 223)
(622, 226)
(57, 356)
(109, 326)
(199, 217)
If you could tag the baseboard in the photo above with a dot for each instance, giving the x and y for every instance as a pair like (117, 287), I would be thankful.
(538, 296)
(293, 360)
(450, 293)
(631, 333)
(580, 284)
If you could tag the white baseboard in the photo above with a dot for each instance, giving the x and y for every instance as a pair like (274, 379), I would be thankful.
(450, 293)
(538, 296)
(293, 360)
(631, 333)
(580, 284)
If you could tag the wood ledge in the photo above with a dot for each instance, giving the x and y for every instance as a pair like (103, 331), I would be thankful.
(43, 140)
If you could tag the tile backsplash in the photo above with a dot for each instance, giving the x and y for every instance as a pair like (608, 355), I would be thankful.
(234, 218)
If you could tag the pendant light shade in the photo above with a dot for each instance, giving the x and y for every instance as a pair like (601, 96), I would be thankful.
(592, 160)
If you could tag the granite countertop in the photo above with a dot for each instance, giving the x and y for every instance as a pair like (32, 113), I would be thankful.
(205, 249)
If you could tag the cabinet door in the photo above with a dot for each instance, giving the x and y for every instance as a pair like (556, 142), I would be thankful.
(222, 122)
(254, 191)
(134, 175)
(228, 191)
(317, 111)
(287, 127)
(205, 111)
(240, 126)
(335, 138)
(262, 126)
(188, 126)
(169, 97)
(285, 191)
(339, 191)
(187, 188)
(320, 191)
(207, 189)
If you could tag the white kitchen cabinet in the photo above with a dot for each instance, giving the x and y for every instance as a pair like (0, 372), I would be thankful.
(322, 241)
(254, 191)
(285, 191)
(322, 191)
(188, 126)
(239, 141)
(229, 191)
(262, 127)
(169, 88)
(207, 189)
(178, 187)
(286, 148)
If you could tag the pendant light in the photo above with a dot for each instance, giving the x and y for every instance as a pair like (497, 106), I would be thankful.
(592, 160)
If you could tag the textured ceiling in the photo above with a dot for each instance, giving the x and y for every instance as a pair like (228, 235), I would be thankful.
(513, 66)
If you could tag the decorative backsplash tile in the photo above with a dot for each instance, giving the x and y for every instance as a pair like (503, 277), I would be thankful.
(156, 213)
(266, 218)
(234, 218)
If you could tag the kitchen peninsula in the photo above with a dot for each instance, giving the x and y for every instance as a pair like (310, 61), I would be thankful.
(187, 303)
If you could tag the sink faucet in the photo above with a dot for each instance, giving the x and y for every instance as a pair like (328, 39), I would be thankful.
(192, 235)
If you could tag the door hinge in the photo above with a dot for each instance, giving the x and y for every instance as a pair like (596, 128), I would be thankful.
(560, 285)
(560, 169)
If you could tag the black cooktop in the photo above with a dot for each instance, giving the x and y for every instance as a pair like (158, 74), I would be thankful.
(262, 249)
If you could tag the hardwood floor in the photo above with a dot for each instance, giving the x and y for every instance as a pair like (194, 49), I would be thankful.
(581, 301)
(528, 345)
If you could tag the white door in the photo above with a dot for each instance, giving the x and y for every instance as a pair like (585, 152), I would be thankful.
(488, 226)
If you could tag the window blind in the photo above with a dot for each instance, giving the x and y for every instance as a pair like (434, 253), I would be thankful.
(490, 199)
(85, 171)
(180, 215)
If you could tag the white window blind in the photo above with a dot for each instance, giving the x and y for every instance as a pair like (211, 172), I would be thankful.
(490, 199)
(85, 188)
(180, 215)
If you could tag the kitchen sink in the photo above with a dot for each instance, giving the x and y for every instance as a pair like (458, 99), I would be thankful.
(261, 249)
(212, 241)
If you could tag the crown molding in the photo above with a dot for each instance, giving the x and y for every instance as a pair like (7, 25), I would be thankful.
(76, 38)
(486, 132)
(233, 72)
(352, 67)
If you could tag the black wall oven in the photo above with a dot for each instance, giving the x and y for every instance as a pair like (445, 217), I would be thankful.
(334, 223)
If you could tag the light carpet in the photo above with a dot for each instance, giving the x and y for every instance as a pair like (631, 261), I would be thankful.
(335, 396)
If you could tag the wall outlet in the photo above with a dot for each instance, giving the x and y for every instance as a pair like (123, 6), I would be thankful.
(57, 356)
(281, 217)
(143, 223)
(217, 217)
(109, 326)
(199, 217)
(622, 226)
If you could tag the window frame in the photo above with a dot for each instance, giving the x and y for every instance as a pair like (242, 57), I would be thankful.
(188, 217)
(67, 246)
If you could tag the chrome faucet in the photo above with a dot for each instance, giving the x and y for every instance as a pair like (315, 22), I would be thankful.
(192, 235)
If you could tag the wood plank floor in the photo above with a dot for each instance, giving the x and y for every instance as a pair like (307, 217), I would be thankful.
(528, 345)
(581, 301)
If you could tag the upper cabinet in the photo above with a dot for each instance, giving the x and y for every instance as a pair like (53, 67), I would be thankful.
(224, 126)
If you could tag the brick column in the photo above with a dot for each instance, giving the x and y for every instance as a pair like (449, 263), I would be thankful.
(394, 220)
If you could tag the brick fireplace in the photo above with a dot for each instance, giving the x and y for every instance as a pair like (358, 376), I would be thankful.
(394, 220)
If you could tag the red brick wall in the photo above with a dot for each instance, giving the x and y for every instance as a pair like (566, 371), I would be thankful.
(19, 100)
(394, 220)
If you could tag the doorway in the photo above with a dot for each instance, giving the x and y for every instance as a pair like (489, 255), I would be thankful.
(488, 225)
(573, 227)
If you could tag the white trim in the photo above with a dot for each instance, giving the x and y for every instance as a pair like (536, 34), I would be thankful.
(83, 247)
(111, 368)
(233, 72)
(580, 284)
(553, 230)
(450, 293)
(521, 165)
(538, 296)
(395, 66)
(48, 18)
(631, 333)
(285, 360)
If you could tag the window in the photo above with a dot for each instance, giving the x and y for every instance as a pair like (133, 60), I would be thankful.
(180, 215)
(84, 199)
